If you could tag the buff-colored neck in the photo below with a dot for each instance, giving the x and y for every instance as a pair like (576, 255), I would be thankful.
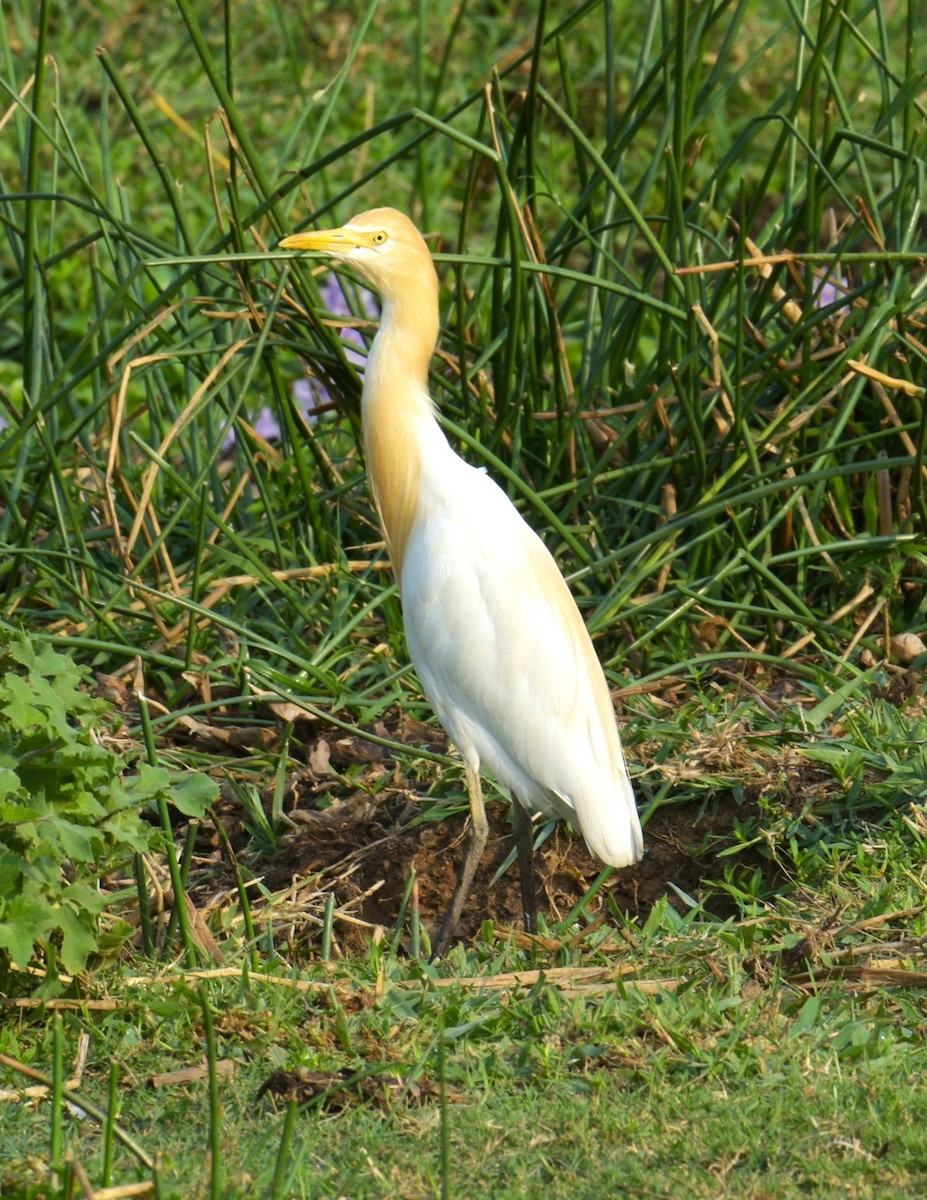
(398, 414)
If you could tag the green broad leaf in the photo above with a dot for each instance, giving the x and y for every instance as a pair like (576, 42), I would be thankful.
(16, 937)
(24, 923)
(11, 876)
(189, 791)
(9, 786)
(115, 937)
(15, 812)
(78, 940)
(192, 793)
(18, 706)
(41, 870)
(22, 651)
(83, 805)
(149, 783)
(128, 831)
(82, 843)
(84, 896)
(66, 677)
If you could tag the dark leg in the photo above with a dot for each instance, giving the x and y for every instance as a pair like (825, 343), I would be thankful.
(479, 832)
(524, 844)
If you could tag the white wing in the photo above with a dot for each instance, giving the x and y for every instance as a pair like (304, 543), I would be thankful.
(507, 663)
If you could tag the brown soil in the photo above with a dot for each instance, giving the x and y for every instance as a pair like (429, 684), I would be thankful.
(364, 850)
(359, 827)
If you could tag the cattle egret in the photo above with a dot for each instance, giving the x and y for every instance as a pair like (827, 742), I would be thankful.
(492, 628)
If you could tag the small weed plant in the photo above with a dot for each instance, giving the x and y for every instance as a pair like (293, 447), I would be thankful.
(71, 811)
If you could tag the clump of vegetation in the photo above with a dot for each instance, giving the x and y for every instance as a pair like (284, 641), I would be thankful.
(71, 814)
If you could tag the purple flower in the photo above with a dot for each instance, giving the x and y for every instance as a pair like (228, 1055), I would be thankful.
(829, 291)
(336, 302)
(267, 426)
(309, 393)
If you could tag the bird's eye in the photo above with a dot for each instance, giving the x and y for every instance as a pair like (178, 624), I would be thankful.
(379, 238)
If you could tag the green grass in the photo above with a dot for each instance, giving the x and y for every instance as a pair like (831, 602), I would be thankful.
(730, 468)
(739, 1075)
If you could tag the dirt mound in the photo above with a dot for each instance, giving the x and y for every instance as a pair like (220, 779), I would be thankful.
(364, 851)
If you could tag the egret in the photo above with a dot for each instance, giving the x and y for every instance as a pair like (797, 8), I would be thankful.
(493, 631)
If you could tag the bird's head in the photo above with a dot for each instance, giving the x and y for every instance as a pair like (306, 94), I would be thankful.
(382, 246)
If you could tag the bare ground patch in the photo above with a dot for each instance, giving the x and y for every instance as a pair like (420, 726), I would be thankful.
(383, 852)
(364, 846)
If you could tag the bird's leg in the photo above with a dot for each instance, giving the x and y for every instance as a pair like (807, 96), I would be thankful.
(476, 844)
(524, 844)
